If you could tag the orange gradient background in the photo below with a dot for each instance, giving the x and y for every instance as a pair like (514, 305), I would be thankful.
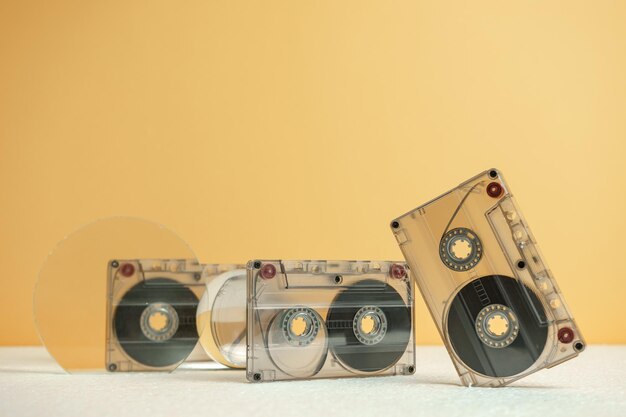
(299, 129)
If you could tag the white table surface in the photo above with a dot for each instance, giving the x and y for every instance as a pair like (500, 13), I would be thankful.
(592, 385)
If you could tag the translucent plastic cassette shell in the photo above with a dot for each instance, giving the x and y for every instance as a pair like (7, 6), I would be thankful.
(328, 319)
(472, 242)
(161, 298)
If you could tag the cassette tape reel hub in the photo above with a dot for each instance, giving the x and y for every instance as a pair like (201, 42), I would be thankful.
(369, 325)
(316, 319)
(159, 322)
(300, 326)
(297, 341)
(460, 249)
(495, 302)
(497, 325)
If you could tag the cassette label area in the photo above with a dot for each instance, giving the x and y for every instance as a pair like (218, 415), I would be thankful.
(328, 319)
(494, 300)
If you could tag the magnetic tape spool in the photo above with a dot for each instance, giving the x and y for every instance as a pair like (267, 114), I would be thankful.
(297, 341)
(154, 322)
(368, 330)
(221, 318)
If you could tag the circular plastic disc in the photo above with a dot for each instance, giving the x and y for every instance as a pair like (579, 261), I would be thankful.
(75, 299)
(222, 318)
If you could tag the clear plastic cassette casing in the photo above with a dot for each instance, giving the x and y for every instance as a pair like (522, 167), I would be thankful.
(328, 319)
(151, 312)
(495, 302)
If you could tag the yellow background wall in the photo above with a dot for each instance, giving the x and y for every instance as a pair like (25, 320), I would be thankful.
(299, 129)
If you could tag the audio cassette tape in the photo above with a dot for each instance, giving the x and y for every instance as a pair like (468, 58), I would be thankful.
(496, 304)
(151, 313)
(328, 319)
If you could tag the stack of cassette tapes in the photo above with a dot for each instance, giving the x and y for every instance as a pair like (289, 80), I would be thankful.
(124, 294)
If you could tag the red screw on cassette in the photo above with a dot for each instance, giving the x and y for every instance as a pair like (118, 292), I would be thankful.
(127, 270)
(565, 335)
(494, 189)
(268, 271)
(397, 271)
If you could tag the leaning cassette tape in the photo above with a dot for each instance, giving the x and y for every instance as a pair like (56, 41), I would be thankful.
(317, 319)
(494, 300)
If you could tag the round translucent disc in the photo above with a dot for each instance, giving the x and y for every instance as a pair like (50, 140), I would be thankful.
(222, 318)
(114, 289)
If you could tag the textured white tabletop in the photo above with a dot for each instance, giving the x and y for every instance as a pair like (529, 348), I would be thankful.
(592, 385)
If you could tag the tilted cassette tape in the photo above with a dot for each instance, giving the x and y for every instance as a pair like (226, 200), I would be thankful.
(151, 312)
(328, 319)
(494, 300)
